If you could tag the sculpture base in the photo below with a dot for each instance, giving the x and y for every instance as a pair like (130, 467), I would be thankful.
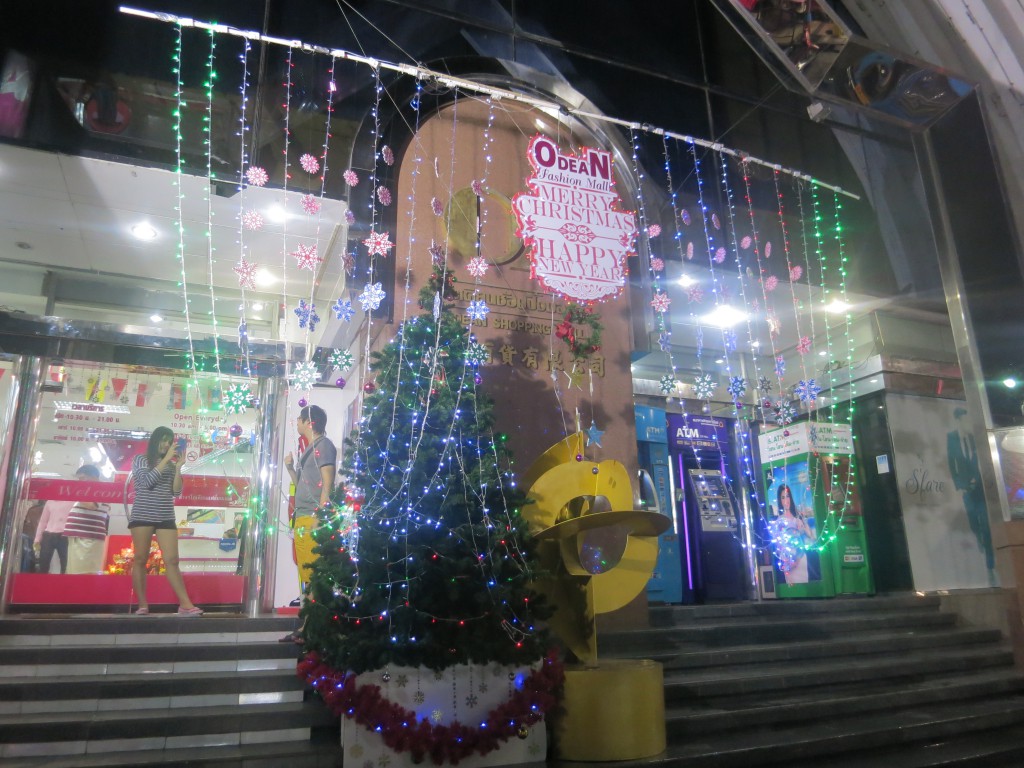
(612, 711)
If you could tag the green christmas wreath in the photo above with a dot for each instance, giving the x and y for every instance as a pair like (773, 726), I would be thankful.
(576, 316)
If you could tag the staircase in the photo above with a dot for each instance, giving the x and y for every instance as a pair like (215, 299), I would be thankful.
(157, 690)
(844, 683)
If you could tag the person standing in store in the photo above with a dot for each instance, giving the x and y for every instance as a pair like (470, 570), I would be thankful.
(157, 477)
(86, 532)
(49, 536)
(313, 476)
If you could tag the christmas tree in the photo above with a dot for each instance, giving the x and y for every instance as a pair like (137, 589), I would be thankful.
(424, 557)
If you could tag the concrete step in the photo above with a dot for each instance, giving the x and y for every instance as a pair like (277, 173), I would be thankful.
(664, 615)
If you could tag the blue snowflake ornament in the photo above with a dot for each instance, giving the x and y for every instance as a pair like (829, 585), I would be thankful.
(807, 391)
(477, 310)
(371, 297)
(665, 341)
(780, 366)
(737, 386)
(729, 337)
(668, 384)
(344, 310)
(704, 386)
(307, 315)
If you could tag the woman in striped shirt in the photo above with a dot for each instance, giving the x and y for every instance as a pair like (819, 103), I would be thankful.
(157, 477)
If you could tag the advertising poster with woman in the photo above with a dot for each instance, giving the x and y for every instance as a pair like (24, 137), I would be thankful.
(791, 523)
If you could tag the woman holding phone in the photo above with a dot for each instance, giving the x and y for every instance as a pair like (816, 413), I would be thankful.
(157, 477)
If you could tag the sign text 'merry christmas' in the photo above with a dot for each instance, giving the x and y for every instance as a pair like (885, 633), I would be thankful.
(577, 238)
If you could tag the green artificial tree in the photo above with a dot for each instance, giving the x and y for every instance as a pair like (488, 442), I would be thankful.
(424, 558)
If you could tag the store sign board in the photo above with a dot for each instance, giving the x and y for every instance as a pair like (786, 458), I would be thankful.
(698, 432)
(220, 491)
(805, 437)
(576, 237)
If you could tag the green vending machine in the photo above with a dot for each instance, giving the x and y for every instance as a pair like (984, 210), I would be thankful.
(813, 513)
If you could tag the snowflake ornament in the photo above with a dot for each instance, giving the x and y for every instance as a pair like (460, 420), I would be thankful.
(784, 413)
(668, 384)
(704, 386)
(310, 204)
(387, 155)
(729, 338)
(477, 354)
(684, 216)
(252, 220)
(304, 376)
(661, 302)
(349, 262)
(309, 163)
(745, 242)
(378, 243)
(306, 258)
(371, 297)
(343, 310)
(436, 207)
(246, 272)
(695, 294)
(780, 366)
(795, 273)
(256, 176)
(477, 187)
(804, 345)
(719, 256)
(768, 249)
(665, 341)
(351, 177)
(477, 266)
(807, 391)
(715, 222)
(654, 230)
(236, 399)
(771, 283)
(737, 387)
(350, 218)
(384, 195)
(436, 254)
(764, 384)
(657, 265)
(341, 360)
(689, 251)
(307, 315)
(477, 310)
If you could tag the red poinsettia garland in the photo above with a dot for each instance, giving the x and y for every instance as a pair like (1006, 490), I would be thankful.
(401, 730)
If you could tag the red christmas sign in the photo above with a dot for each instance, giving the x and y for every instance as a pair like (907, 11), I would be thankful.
(576, 237)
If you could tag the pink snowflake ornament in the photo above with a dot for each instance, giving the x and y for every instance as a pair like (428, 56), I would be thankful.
(657, 265)
(695, 294)
(477, 187)
(246, 272)
(384, 195)
(310, 204)
(256, 176)
(661, 302)
(351, 177)
(715, 222)
(387, 155)
(771, 283)
(689, 251)
(252, 220)
(768, 249)
(436, 253)
(436, 207)
(350, 218)
(309, 163)
(804, 346)
(719, 256)
(306, 257)
(379, 243)
(477, 266)
(795, 273)
(745, 242)
(654, 230)
(684, 215)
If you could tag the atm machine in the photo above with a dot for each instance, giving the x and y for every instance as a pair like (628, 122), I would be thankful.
(710, 539)
(666, 582)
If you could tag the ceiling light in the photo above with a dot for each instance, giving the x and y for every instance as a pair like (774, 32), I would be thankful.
(276, 214)
(257, 306)
(755, 344)
(264, 277)
(686, 281)
(156, 318)
(1010, 382)
(837, 307)
(719, 360)
(724, 316)
(144, 231)
(822, 353)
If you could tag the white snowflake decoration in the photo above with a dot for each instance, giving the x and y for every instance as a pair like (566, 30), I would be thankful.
(477, 310)
(256, 176)
(737, 386)
(477, 354)
(310, 204)
(305, 256)
(780, 366)
(309, 163)
(807, 391)
(246, 272)
(371, 297)
(784, 413)
(252, 220)
(236, 399)
(668, 384)
(661, 302)
(704, 386)
(477, 266)
(304, 376)
(342, 360)
(436, 206)
(665, 341)
(379, 243)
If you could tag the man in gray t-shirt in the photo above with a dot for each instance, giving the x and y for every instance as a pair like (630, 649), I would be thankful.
(313, 474)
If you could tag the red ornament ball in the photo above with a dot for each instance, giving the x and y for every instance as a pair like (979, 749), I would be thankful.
(369, 387)
(303, 402)
(339, 382)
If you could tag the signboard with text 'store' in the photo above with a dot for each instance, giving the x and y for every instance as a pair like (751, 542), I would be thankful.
(576, 237)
